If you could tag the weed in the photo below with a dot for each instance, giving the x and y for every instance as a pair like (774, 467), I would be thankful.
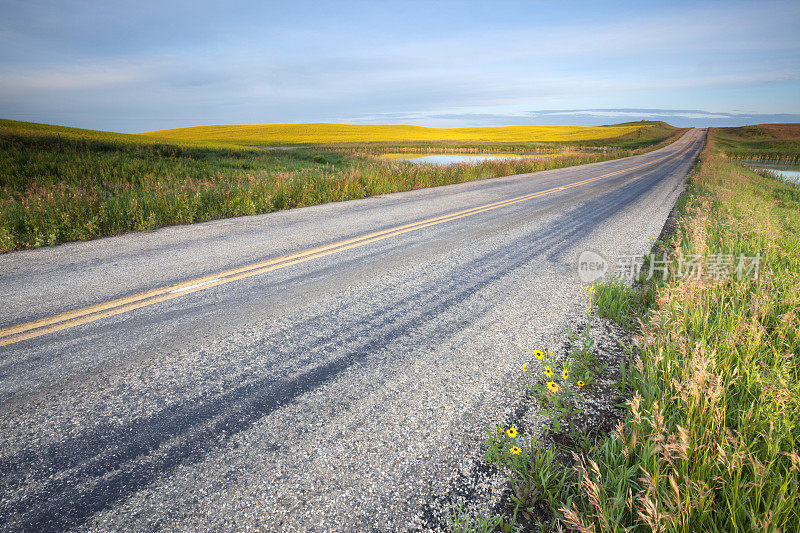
(623, 303)
(462, 521)
(534, 473)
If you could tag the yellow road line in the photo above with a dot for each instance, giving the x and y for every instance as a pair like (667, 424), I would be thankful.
(43, 326)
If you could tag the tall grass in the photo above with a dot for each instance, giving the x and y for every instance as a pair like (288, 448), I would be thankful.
(711, 439)
(57, 188)
(623, 304)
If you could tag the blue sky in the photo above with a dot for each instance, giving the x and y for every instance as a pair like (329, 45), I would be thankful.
(139, 66)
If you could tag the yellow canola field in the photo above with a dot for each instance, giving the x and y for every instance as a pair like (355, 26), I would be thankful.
(347, 133)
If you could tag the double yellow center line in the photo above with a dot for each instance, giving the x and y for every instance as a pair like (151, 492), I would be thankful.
(69, 319)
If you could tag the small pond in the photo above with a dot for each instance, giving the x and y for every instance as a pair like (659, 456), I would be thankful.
(786, 171)
(448, 159)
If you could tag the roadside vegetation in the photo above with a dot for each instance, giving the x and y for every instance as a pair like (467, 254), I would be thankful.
(61, 184)
(709, 432)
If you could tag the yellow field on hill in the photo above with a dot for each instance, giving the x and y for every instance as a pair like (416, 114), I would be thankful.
(347, 133)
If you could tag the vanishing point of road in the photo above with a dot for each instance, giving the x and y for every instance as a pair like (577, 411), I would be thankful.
(328, 367)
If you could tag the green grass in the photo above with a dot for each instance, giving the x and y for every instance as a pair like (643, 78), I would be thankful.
(622, 303)
(712, 429)
(61, 184)
(462, 521)
(714, 419)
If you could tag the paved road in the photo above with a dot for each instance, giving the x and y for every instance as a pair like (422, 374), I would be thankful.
(338, 387)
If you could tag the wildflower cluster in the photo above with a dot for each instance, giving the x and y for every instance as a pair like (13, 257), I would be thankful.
(533, 473)
(555, 389)
(504, 445)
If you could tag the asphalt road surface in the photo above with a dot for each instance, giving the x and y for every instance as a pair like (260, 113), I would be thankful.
(320, 368)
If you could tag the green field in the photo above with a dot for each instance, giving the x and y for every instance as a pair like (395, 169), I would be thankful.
(774, 142)
(60, 184)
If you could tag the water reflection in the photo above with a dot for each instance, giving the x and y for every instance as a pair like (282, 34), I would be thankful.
(448, 159)
(784, 171)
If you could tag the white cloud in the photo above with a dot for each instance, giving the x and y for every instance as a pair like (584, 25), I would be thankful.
(87, 78)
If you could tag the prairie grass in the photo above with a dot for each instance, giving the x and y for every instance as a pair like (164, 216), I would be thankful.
(711, 432)
(711, 436)
(65, 184)
(461, 520)
(622, 303)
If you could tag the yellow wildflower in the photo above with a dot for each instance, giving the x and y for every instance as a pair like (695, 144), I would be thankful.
(524, 367)
(565, 373)
(552, 386)
(512, 432)
(548, 371)
(538, 354)
(516, 450)
(581, 383)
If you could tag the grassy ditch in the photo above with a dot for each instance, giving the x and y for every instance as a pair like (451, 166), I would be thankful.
(710, 431)
(65, 184)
